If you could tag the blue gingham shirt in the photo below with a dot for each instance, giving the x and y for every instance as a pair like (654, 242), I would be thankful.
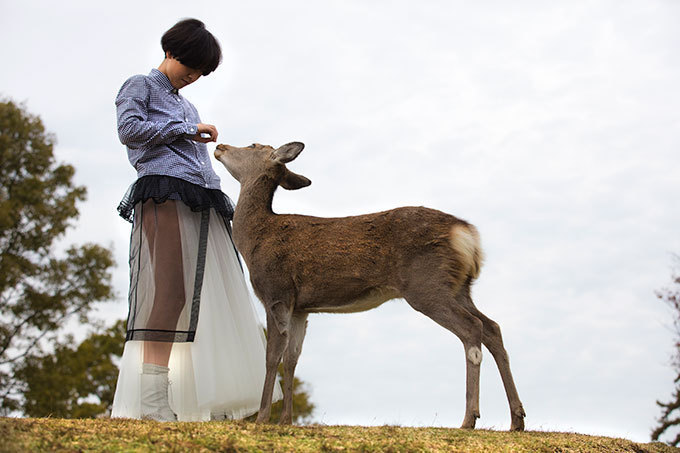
(155, 122)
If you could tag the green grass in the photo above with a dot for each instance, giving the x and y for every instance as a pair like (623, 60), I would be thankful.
(114, 435)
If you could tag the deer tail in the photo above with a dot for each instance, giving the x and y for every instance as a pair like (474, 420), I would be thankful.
(465, 241)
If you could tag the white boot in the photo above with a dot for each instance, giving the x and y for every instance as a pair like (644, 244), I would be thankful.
(155, 404)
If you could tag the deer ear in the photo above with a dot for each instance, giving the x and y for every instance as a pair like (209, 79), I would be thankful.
(288, 152)
(293, 181)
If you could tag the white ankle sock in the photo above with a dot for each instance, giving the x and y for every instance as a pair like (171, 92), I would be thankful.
(152, 368)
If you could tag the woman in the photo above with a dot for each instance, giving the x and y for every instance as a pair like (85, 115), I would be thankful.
(194, 348)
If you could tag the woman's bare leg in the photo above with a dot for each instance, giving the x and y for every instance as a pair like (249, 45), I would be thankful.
(161, 227)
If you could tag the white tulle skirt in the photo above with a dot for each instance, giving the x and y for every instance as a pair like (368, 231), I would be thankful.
(221, 373)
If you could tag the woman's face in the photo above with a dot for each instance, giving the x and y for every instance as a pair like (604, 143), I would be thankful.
(180, 75)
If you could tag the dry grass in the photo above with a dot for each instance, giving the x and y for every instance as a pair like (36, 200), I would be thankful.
(132, 435)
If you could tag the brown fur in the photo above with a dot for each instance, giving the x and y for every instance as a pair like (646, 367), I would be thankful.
(303, 264)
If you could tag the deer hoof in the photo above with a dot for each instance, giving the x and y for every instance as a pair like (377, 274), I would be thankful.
(469, 421)
(517, 423)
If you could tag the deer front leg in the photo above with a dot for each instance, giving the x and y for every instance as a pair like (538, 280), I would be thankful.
(277, 338)
(298, 327)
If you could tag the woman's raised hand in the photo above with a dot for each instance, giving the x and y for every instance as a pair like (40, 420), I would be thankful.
(206, 133)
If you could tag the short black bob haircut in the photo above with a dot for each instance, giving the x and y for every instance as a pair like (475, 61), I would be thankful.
(191, 44)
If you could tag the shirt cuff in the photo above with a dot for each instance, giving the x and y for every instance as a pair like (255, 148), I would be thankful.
(191, 129)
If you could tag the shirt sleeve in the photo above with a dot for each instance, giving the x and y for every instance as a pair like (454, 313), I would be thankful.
(134, 128)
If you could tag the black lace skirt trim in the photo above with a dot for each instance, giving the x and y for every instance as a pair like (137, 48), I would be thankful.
(161, 188)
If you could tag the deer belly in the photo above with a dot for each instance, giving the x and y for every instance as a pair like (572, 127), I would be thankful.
(367, 300)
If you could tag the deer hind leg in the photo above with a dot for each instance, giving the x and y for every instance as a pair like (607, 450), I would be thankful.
(278, 331)
(298, 328)
(436, 304)
(493, 340)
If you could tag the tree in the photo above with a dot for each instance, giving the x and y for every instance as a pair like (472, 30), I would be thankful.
(73, 382)
(39, 292)
(670, 412)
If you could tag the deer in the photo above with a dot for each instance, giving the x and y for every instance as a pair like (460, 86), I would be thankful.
(301, 264)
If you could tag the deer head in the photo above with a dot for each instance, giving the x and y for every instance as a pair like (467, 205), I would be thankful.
(254, 161)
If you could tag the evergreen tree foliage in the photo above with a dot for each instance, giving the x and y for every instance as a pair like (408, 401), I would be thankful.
(39, 291)
(74, 382)
(670, 411)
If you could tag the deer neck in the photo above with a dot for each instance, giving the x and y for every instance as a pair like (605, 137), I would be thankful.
(254, 203)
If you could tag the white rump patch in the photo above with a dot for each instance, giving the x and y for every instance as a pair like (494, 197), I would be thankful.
(474, 355)
(465, 240)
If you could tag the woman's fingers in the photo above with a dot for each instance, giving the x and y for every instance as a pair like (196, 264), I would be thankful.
(206, 133)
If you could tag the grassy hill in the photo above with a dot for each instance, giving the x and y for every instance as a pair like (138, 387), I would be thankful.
(132, 435)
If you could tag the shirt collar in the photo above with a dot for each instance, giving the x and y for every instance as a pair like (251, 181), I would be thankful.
(162, 80)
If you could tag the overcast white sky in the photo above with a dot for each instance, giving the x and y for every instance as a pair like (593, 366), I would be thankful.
(552, 126)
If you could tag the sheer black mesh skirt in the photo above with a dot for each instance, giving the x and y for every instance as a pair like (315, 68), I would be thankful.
(171, 219)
